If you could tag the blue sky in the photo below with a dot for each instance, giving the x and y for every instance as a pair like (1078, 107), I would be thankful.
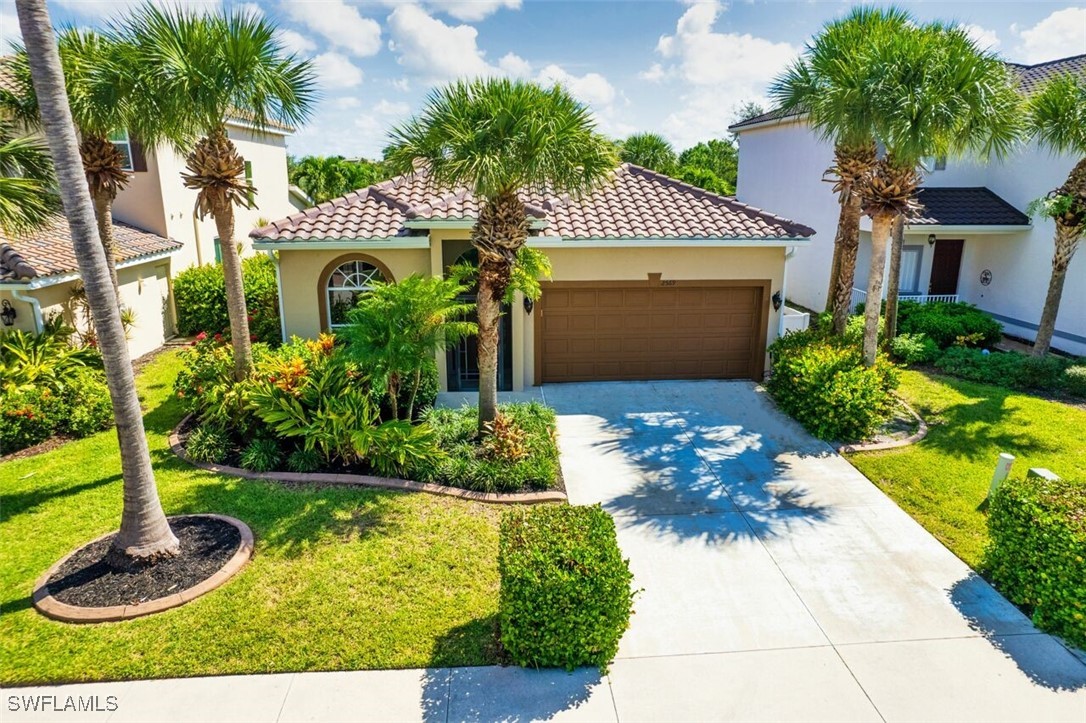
(677, 68)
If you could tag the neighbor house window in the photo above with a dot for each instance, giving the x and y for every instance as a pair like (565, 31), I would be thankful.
(909, 281)
(940, 163)
(346, 285)
(122, 143)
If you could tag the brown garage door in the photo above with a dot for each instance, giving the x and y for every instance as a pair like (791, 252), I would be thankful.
(618, 330)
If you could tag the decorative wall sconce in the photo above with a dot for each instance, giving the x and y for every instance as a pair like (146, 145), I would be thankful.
(777, 301)
(931, 239)
(7, 315)
(528, 305)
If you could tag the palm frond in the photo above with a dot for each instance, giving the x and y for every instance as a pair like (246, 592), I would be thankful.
(1057, 114)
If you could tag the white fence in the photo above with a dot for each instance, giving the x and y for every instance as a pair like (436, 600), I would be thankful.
(794, 320)
(859, 296)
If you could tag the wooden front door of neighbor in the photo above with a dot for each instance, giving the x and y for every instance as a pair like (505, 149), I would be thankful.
(945, 266)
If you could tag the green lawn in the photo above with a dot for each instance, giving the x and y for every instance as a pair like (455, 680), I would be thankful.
(943, 480)
(341, 578)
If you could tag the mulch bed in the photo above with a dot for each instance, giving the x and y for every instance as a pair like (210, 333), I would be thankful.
(85, 580)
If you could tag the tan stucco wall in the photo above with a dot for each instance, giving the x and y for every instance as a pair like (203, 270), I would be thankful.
(301, 270)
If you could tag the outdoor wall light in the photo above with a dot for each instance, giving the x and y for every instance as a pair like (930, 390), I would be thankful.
(931, 239)
(777, 301)
(8, 314)
(528, 305)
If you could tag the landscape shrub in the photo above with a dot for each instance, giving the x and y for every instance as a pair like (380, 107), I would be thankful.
(1074, 380)
(28, 416)
(303, 460)
(47, 360)
(949, 324)
(914, 349)
(89, 408)
(1037, 553)
(566, 594)
(209, 443)
(822, 382)
(200, 295)
(262, 455)
(494, 466)
(1007, 369)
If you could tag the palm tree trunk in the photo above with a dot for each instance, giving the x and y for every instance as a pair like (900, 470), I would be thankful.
(488, 307)
(1066, 242)
(223, 211)
(145, 534)
(835, 271)
(103, 212)
(893, 282)
(880, 234)
(848, 239)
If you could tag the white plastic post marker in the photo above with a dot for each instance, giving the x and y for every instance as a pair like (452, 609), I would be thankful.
(1002, 470)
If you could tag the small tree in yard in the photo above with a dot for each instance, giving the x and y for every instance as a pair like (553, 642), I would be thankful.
(395, 329)
(145, 535)
(1057, 117)
(499, 138)
(651, 151)
(205, 69)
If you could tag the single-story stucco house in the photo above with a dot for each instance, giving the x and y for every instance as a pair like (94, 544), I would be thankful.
(39, 278)
(652, 278)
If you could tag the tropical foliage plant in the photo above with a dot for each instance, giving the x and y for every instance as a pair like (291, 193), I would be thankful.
(27, 195)
(651, 151)
(326, 177)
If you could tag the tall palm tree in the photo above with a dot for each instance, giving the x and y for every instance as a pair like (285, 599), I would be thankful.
(934, 92)
(105, 98)
(144, 534)
(205, 69)
(27, 195)
(499, 138)
(651, 151)
(893, 276)
(829, 83)
(1057, 119)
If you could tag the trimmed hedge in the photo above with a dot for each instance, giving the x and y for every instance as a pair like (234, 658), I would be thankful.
(822, 382)
(949, 324)
(1007, 369)
(565, 588)
(200, 295)
(1037, 554)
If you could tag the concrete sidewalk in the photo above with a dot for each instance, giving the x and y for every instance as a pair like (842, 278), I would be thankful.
(778, 584)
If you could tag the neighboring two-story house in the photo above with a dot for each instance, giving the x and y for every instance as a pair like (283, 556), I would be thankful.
(972, 242)
(157, 233)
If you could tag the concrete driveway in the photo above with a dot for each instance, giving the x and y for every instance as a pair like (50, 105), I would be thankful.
(779, 583)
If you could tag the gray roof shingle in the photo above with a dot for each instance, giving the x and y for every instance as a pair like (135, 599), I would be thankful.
(637, 203)
(953, 206)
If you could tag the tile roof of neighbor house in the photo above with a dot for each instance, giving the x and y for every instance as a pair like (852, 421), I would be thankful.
(49, 251)
(637, 203)
(977, 206)
(1030, 78)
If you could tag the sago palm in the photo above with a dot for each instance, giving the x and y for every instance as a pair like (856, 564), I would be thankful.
(144, 534)
(829, 83)
(105, 97)
(204, 70)
(651, 151)
(27, 195)
(1057, 119)
(933, 92)
(499, 138)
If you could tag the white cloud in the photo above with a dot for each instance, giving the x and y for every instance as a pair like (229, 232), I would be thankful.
(251, 8)
(9, 27)
(474, 10)
(391, 108)
(338, 22)
(401, 84)
(334, 71)
(295, 42)
(434, 50)
(985, 39)
(719, 70)
(514, 65)
(1059, 35)
(590, 88)
(346, 102)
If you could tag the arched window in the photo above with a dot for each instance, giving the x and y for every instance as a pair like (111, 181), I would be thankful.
(346, 284)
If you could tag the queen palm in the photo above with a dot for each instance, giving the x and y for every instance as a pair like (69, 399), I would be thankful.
(102, 93)
(933, 92)
(27, 196)
(829, 83)
(204, 69)
(144, 534)
(1057, 119)
(499, 138)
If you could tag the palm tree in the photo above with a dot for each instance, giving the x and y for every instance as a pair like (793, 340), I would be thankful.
(204, 69)
(105, 98)
(829, 84)
(499, 138)
(651, 151)
(893, 276)
(326, 177)
(27, 195)
(144, 534)
(1057, 118)
(934, 92)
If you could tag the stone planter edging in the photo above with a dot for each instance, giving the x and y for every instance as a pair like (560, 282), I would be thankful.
(921, 432)
(49, 606)
(364, 480)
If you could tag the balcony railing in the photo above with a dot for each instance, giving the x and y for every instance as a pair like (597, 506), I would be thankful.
(859, 296)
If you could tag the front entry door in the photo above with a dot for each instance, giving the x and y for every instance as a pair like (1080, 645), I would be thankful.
(463, 359)
(945, 267)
